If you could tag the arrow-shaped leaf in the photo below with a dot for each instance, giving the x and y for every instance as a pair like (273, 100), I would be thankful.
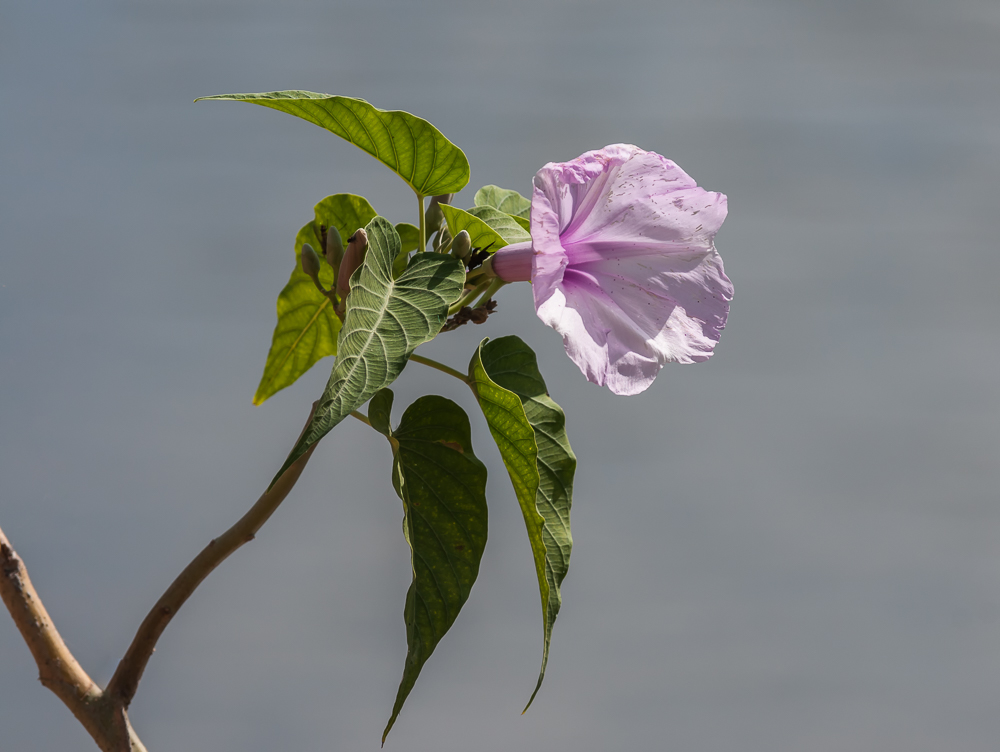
(307, 327)
(386, 320)
(409, 146)
(443, 488)
(530, 431)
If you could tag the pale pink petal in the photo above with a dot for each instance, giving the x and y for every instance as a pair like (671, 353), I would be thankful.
(639, 205)
(694, 282)
(608, 347)
(550, 258)
(624, 264)
(620, 332)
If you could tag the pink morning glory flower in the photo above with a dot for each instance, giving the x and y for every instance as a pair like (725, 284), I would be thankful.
(623, 264)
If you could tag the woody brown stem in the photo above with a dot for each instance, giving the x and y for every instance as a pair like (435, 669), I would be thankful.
(58, 669)
(124, 683)
(104, 714)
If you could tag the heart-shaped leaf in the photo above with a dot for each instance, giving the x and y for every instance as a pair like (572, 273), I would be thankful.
(443, 488)
(307, 327)
(530, 431)
(409, 146)
(386, 320)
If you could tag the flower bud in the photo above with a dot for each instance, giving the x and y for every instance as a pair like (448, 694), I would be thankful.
(513, 263)
(334, 247)
(461, 246)
(310, 261)
(354, 256)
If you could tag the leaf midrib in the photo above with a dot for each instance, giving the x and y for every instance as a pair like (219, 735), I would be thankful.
(371, 334)
(302, 333)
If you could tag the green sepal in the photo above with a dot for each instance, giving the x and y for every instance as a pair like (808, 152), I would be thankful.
(307, 327)
(442, 485)
(529, 428)
(409, 146)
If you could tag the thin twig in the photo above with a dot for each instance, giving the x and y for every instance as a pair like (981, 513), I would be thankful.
(126, 679)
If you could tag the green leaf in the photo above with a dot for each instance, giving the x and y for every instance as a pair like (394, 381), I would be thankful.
(307, 327)
(502, 199)
(523, 223)
(443, 488)
(386, 320)
(380, 411)
(409, 146)
(491, 229)
(507, 201)
(504, 224)
(530, 431)
(409, 237)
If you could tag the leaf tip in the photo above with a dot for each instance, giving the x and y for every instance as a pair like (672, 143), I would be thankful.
(387, 728)
(538, 686)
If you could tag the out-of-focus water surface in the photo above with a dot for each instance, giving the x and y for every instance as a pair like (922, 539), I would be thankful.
(793, 546)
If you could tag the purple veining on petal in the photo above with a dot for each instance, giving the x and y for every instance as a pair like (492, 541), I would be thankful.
(624, 265)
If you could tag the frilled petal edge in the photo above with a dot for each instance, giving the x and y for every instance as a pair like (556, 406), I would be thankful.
(620, 333)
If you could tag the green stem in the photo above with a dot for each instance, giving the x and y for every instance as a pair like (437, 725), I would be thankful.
(476, 276)
(439, 366)
(361, 416)
(495, 285)
(468, 298)
(423, 230)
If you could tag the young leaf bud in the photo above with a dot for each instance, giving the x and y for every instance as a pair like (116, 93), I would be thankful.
(310, 261)
(461, 246)
(354, 256)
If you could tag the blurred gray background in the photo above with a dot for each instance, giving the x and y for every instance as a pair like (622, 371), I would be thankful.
(793, 546)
